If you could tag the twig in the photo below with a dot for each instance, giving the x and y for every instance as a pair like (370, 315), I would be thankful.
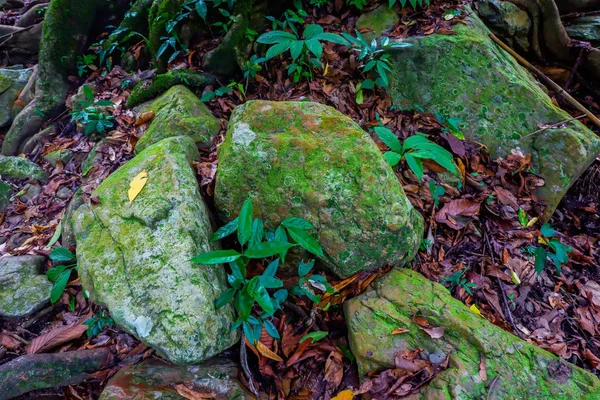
(245, 367)
(492, 387)
(547, 80)
(574, 69)
(553, 125)
(508, 312)
(10, 35)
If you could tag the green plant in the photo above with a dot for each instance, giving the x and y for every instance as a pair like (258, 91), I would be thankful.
(457, 279)
(90, 115)
(413, 150)
(252, 67)
(319, 3)
(307, 285)
(85, 62)
(413, 3)
(360, 4)
(290, 19)
(302, 49)
(97, 323)
(256, 243)
(60, 274)
(229, 20)
(551, 247)
(209, 95)
(436, 192)
(451, 125)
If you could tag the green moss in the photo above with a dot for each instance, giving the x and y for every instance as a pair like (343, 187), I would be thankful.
(377, 21)
(160, 83)
(20, 168)
(310, 161)
(518, 368)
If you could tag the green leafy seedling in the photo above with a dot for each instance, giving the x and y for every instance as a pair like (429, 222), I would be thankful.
(60, 274)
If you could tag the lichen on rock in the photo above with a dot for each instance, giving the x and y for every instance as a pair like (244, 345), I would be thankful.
(515, 369)
(20, 168)
(134, 257)
(23, 286)
(307, 160)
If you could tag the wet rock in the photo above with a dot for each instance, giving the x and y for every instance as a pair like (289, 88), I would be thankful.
(24, 287)
(30, 192)
(585, 28)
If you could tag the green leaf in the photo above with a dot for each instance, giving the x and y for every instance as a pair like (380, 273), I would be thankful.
(415, 165)
(271, 329)
(88, 93)
(522, 215)
(332, 37)
(225, 298)
(388, 137)
(315, 336)
(258, 232)
(547, 230)
(55, 236)
(312, 30)
(267, 249)
(245, 222)
(271, 268)
(264, 300)
(277, 49)
(305, 268)
(225, 230)
(270, 282)
(315, 47)
(298, 223)
(216, 257)
(306, 241)
(243, 303)
(201, 8)
(561, 250)
(296, 49)
(62, 254)
(59, 286)
(249, 332)
(280, 296)
(392, 158)
(54, 273)
(238, 268)
(275, 37)
(540, 259)
(104, 103)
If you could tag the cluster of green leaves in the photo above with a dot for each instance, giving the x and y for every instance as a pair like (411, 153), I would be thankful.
(209, 95)
(290, 19)
(90, 115)
(360, 4)
(457, 279)
(450, 125)
(306, 51)
(307, 284)
(97, 323)
(436, 192)
(551, 247)
(258, 243)
(374, 60)
(413, 3)
(85, 62)
(61, 274)
(252, 67)
(413, 150)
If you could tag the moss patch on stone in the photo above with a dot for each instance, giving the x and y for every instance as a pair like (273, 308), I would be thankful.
(307, 160)
(518, 368)
(20, 168)
(23, 287)
(375, 22)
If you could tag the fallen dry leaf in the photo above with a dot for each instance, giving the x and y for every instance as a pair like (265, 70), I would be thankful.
(137, 184)
(144, 118)
(190, 394)
(344, 395)
(398, 331)
(457, 213)
(265, 351)
(56, 337)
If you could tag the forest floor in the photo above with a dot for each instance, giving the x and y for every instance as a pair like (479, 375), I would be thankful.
(490, 243)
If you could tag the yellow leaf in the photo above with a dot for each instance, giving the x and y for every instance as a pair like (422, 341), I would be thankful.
(344, 395)
(532, 221)
(265, 351)
(515, 278)
(541, 240)
(475, 309)
(326, 69)
(137, 184)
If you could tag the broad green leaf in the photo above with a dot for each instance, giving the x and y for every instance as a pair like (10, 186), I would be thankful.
(392, 158)
(315, 47)
(225, 298)
(249, 332)
(311, 30)
(415, 165)
(225, 230)
(62, 254)
(104, 103)
(258, 232)
(271, 268)
(315, 336)
(264, 300)
(277, 49)
(540, 259)
(296, 48)
(201, 8)
(304, 268)
(275, 37)
(59, 286)
(305, 240)
(522, 215)
(238, 268)
(88, 93)
(331, 37)
(389, 138)
(54, 273)
(547, 231)
(270, 282)
(298, 223)
(369, 66)
(281, 236)
(216, 257)
(55, 236)
(560, 249)
(280, 296)
(243, 303)
(271, 329)
(267, 249)
(245, 222)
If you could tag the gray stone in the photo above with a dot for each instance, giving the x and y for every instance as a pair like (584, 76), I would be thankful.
(134, 257)
(586, 29)
(30, 192)
(24, 288)
(12, 82)
(20, 168)
(507, 21)
(377, 22)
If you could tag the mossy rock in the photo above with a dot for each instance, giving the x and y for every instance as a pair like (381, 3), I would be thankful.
(62, 155)
(178, 112)
(154, 379)
(507, 21)
(378, 21)
(134, 257)
(12, 82)
(5, 194)
(515, 369)
(307, 160)
(20, 168)
(23, 286)
(585, 28)
(467, 76)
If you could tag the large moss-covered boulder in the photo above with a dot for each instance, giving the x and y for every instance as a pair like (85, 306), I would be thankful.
(307, 160)
(514, 368)
(178, 112)
(12, 82)
(153, 379)
(134, 257)
(20, 168)
(467, 76)
(24, 287)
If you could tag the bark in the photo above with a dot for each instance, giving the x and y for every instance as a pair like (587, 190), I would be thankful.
(31, 16)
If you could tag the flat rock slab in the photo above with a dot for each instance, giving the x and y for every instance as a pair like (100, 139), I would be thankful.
(24, 288)
(134, 257)
(515, 369)
(20, 168)
(467, 76)
(154, 379)
(307, 160)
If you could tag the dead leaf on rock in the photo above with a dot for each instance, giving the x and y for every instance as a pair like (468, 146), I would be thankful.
(190, 394)
(136, 185)
(398, 331)
(144, 118)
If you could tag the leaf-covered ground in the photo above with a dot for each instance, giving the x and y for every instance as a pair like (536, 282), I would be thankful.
(477, 230)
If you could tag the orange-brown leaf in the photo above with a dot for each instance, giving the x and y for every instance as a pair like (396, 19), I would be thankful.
(265, 351)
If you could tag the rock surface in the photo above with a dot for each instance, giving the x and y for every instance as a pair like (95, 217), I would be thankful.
(5, 194)
(153, 379)
(23, 286)
(507, 21)
(12, 82)
(498, 100)
(20, 168)
(378, 21)
(585, 28)
(62, 155)
(134, 257)
(307, 160)
(178, 112)
(514, 367)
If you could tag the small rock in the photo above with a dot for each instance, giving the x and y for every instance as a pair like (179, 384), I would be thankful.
(5, 194)
(30, 192)
(12, 82)
(20, 168)
(62, 155)
(376, 22)
(23, 286)
(154, 379)
(64, 193)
